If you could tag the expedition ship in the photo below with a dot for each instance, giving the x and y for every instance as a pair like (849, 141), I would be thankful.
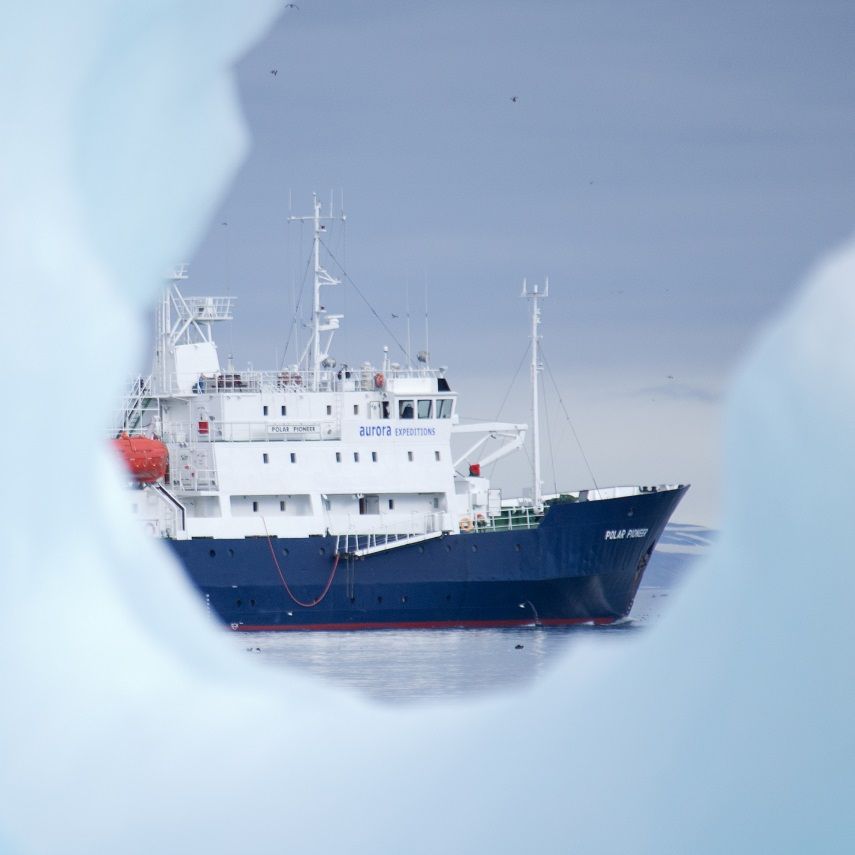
(329, 497)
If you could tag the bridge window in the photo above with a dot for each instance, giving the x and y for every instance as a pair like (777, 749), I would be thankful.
(391, 504)
(293, 457)
(265, 457)
(264, 409)
(373, 456)
(410, 456)
(444, 407)
(282, 504)
(436, 456)
(356, 409)
(255, 507)
(405, 408)
(329, 409)
(425, 408)
(385, 412)
(338, 457)
(356, 457)
(284, 410)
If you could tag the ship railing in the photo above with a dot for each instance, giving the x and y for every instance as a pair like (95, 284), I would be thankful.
(339, 379)
(137, 402)
(194, 480)
(509, 519)
(205, 308)
(390, 535)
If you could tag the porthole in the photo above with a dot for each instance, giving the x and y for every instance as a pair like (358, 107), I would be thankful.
(448, 598)
(231, 553)
(352, 600)
(284, 550)
(474, 548)
(238, 603)
(322, 551)
(518, 547)
(212, 553)
(379, 601)
(403, 599)
(421, 549)
(252, 602)
(448, 547)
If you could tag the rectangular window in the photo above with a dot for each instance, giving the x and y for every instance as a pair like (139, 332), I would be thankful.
(436, 456)
(410, 456)
(282, 504)
(329, 409)
(391, 504)
(356, 457)
(385, 412)
(284, 410)
(363, 507)
(293, 457)
(425, 408)
(264, 409)
(443, 408)
(436, 503)
(405, 409)
(338, 457)
(255, 507)
(265, 457)
(373, 456)
(356, 409)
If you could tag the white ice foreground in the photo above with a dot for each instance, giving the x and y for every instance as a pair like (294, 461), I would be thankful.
(128, 724)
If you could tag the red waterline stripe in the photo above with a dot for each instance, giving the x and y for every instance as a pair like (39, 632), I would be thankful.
(428, 624)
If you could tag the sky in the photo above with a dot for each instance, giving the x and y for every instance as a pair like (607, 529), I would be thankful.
(674, 169)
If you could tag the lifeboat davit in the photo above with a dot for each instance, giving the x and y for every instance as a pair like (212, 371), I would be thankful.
(147, 459)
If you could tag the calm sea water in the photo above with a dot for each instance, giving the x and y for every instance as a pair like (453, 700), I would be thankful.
(406, 666)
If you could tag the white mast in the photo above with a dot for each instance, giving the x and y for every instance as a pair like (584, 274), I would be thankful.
(321, 321)
(535, 294)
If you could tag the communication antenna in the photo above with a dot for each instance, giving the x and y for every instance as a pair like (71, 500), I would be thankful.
(322, 321)
(535, 294)
(427, 331)
(409, 341)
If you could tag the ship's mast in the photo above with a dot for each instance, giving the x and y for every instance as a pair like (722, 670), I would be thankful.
(535, 295)
(321, 321)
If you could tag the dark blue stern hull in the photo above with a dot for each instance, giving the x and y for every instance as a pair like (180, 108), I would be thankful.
(583, 563)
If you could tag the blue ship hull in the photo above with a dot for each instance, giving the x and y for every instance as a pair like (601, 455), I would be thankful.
(582, 563)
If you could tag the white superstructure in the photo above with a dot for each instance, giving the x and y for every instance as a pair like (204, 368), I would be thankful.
(314, 449)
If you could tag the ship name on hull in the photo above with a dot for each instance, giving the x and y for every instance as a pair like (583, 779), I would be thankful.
(625, 533)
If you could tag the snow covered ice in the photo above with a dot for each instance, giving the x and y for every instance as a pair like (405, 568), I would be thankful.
(130, 725)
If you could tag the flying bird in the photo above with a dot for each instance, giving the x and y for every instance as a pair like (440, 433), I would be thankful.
(394, 315)
(292, 6)
(670, 376)
(274, 71)
(514, 98)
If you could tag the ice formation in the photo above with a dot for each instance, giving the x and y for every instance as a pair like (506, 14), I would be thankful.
(128, 725)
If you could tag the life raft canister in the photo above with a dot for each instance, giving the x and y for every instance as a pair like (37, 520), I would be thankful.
(379, 380)
(466, 524)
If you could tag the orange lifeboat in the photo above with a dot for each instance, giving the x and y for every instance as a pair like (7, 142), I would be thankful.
(146, 459)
